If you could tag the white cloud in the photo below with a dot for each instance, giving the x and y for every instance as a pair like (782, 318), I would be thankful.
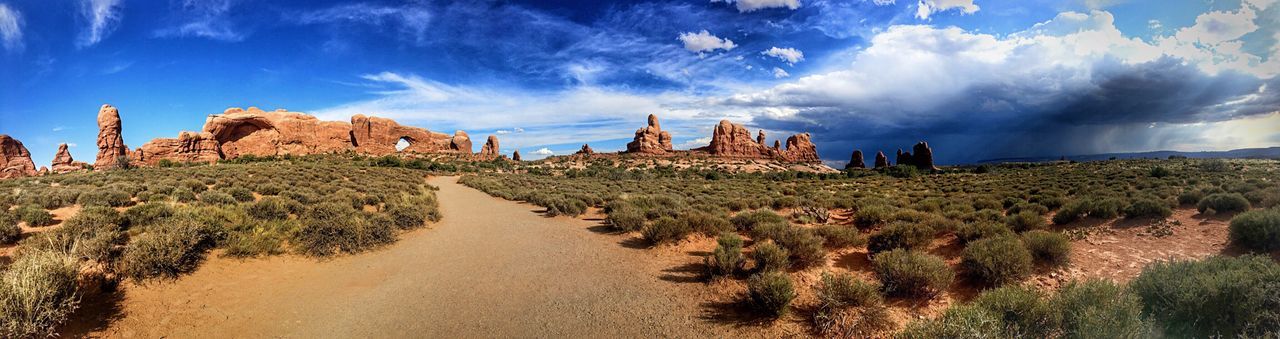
(544, 151)
(780, 73)
(695, 143)
(71, 144)
(754, 5)
(704, 42)
(103, 17)
(790, 55)
(59, 128)
(925, 8)
(412, 20)
(1261, 5)
(1154, 24)
(203, 19)
(1219, 26)
(11, 28)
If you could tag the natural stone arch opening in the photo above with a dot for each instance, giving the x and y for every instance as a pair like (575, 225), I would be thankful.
(403, 144)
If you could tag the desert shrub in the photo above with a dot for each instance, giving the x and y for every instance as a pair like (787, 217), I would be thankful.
(241, 194)
(37, 293)
(57, 198)
(217, 198)
(565, 206)
(964, 321)
(146, 214)
(843, 290)
(406, 216)
(665, 229)
(260, 237)
(183, 194)
(1070, 212)
(104, 197)
(1222, 203)
(1256, 230)
(771, 257)
(9, 230)
(1038, 209)
(1099, 309)
(331, 228)
(1264, 198)
(901, 171)
(35, 216)
(706, 223)
(175, 247)
(769, 230)
(872, 215)
(269, 208)
(804, 246)
(981, 230)
(997, 260)
(1190, 196)
(270, 189)
(912, 273)
(900, 235)
(746, 221)
(90, 234)
(727, 258)
(1214, 297)
(626, 219)
(1215, 165)
(1104, 208)
(771, 292)
(1022, 311)
(839, 236)
(1160, 172)
(1024, 221)
(194, 185)
(1147, 207)
(1048, 247)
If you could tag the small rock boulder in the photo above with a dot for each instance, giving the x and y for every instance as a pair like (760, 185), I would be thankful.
(15, 160)
(586, 150)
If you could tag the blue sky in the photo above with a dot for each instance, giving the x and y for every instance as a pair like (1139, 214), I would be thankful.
(978, 79)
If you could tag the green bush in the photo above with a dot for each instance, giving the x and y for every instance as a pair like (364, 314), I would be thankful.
(241, 194)
(217, 198)
(37, 293)
(747, 221)
(1025, 221)
(35, 216)
(771, 257)
(627, 219)
(843, 290)
(805, 247)
(175, 247)
(146, 214)
(771, 292)
(1160, 172)
(1048, 247)
(872, 215)
(706, 223)
(1147, 207)
(331, 228)
(104, 197)
(912, 273)
(1256, 230)
(9, 230)
(840, 236)
(1223, 203)
(727, 258)
(963, 321)
(997, 260)
(1214, 297)
(269, 208)
(1022, 311)
(665, 229)
(981, 230)
(900, 234)
(1099, 309)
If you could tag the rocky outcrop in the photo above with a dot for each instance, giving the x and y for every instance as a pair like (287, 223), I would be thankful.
(490, 149)
(63, 163)
(651, 139)
(800, 148)
(515, 155)
(15, 160)
(881, 160)
(856, 160)
(112, 152)
(42, 171)
(585, 150)
(760, 137)
(256, 132)
(379, 136)
(461, 142)
(730, 140)
(188, 147)
(923, 158)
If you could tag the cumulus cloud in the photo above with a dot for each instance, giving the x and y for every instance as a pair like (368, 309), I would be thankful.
(780, 73)
(10, 28)
(102, 17)
(207, 19)
(790, 55)
(412, 20)
(544, 151)
(704, 42)
(754, 5)
(925, 8)
(1072, 84)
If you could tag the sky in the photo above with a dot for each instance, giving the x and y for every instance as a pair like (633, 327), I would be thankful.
(976, 79)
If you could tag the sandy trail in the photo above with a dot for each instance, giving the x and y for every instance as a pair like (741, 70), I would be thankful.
(490, 268)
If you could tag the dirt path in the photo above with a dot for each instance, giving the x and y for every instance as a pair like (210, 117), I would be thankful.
(491, 268)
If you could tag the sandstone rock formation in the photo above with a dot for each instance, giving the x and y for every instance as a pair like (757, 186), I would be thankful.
(188, 147)
(760, 138)
(490, 148)
(903, 158)
(585, 150)
(42, 171)
(651, 139)
(461, 142)
(923, 158)
(800, 148)
(379, 136)
(881, 160)
(856, 160)
(253, 131)
(63, 163)
(731, 140)
(15, 160)
(515, 155)
(111, 148)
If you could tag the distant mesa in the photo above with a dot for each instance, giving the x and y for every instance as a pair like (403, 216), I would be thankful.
(730, 140)
(15, 160)
(586, 150)
(379, 136)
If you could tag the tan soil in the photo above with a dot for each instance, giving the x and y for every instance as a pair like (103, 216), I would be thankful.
(491, 268)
